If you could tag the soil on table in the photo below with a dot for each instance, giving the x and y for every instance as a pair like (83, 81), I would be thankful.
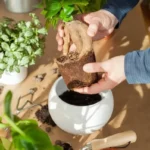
(44, 116)
(64, 145)
(78, 99)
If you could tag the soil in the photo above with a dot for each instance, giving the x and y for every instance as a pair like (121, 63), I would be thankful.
(65, 146)
(71, 68)
(44, 116)
(79, 99)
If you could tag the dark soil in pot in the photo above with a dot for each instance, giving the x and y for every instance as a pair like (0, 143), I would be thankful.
(79, 99)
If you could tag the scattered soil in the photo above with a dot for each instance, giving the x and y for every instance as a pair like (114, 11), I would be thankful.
(66, 146)
(44, 116)
(79, 99)
(48, 129)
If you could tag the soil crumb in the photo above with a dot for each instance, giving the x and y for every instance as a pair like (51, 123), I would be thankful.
(44, 116)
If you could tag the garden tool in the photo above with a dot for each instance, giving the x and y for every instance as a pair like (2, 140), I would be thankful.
(117, 140)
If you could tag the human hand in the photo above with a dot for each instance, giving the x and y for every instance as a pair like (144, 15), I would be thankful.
(101, 24)
(114, 75)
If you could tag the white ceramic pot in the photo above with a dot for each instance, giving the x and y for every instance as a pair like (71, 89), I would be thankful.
(79, 120)
(11, 78)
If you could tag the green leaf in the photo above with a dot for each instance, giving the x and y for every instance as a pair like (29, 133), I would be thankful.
(1, 146)
(21, 39)
(17, 69)
(33, 140)
(29, 49)
(5, 37)
(1, 72)
(5, 59)
(3, 66)
(1, 55)
(42, 31)
(13, 126)
(7, 144)
(13, 46)
(5, 46)
(8, 54)
(7, 104)
(75, 2)
(38, 52)
(28, 34)
(8, 31)
(11, 61)
(32, 62)
(28, 24)
(18, 55)
(53, 8)
(9, 68)
(25, 60)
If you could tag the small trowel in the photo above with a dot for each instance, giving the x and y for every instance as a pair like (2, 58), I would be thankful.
(116, 140)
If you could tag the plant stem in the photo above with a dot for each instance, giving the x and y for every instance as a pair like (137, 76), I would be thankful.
(13, 125)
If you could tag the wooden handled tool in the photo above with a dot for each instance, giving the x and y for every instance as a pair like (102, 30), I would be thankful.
(117, 140)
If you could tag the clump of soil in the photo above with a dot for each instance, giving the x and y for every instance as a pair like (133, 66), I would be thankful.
(71, 68)
(65, 146)
(75, 98)
(44, 116)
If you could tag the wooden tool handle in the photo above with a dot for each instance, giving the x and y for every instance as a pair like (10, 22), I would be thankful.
(120, 139)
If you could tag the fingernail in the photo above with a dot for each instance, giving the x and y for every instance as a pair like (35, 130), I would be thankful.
(59, 42)
(85, 68)
(77, 90)
(90, 33)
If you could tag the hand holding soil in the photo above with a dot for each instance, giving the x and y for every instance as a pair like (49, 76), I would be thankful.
(70, 63)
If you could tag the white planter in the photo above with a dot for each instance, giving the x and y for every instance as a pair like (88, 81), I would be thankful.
(11, 78)
(79, 119)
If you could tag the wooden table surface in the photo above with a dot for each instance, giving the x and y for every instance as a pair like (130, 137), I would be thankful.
(132, 102)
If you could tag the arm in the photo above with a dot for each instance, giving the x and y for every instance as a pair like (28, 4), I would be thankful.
(137, 67)
(120, 7)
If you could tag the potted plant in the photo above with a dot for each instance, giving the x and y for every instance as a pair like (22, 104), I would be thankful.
(22, 6)
(21, 43)
(25, 134)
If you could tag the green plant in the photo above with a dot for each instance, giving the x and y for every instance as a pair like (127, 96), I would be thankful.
(55, 10)
(20, 43)
(26, 135)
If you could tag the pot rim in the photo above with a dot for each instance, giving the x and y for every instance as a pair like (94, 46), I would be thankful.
(102, 94)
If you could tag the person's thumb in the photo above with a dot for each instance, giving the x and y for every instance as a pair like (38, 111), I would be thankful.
(98, 66)
(93, 23)
(93, 67)
(93, 27)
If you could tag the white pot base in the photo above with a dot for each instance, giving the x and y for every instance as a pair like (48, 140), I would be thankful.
(12, 78)
(79, 119)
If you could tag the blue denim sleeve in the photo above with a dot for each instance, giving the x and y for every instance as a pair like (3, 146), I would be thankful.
(137, 67)
(120, 8)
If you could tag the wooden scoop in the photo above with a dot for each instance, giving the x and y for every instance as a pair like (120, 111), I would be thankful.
(117, 140)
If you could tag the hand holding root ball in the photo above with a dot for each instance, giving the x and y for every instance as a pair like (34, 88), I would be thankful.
(71, 62)
(74, 38)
